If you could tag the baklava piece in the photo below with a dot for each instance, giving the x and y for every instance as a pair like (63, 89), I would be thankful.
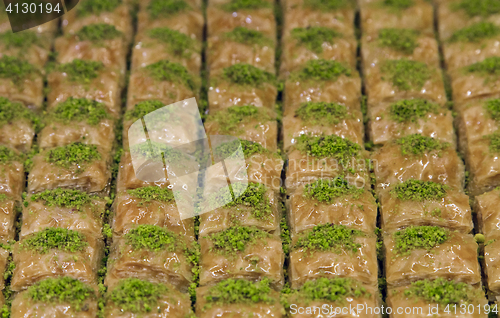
(67, 209)
(12, 177)
(241, 84)
(331, 201)
(63, 297)
(333, 251)
(255, 124)
(27, 45)
(236, 297)
(393, 120)
(18, 125)
(241, 252)
(322, 81)
(152, 253)
(56, 252)
(430, 252)
(9, 210)
(78, 120)
(324, 157)
(76, 166)
(241, 45)
(323, 118)
(128, 180)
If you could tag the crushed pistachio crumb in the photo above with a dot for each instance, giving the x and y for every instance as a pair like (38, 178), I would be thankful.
(136, 296)
(493, 108)
(98, 32)
(96, 7)
(402, 40)
(165, 8)
(152, 238)
(246, 74)
(322, 113)
(143, 108)
(399, 4)
(233, 118)
(11, 111)
(152, 150)
(406, 74)
(77, 110)
(473, 8)
(23, 40)
(314, 37)
(63, 198)
(419, 237)
(328, 190)
(249, 148)
(444, 292)
(417, 190)
(411, 110)
(236, 5)
(171, 72)
(8, 155)
(417, 144)
(62, 290)
(331, 238)
(236, 239)
(240, 291)
(494, 140)
(81, 71)
(151, 193)
(178, 43)
(15, 69)
(328, 5)
(72, 154)
(321, 70)
(335, 290)
(247, 36)
(488, 66)
(476, 32)
(330, 146)
(55, 238)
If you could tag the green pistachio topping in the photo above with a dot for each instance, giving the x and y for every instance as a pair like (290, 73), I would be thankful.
(330, 146)
(98, 32)
(334, 290)
(328, 5)
(23, 40)
(152, 238)
(330, 238)
(328, 190)
(492, 107)
(143, 108)
(11, 111)
(416, 190)
(321, 70)
(137, 296)
(322, 113)
(96, 7)
(55, 238)
(411, 110)
(81, 71)
(248, 37)
(417, 144)
(77, 110)
(249, 148)
(402, 40)
(236, 5)
(399, 4)
(246, 74)
(494, 142)
(164, 8)
(8, 155)
(171, 72)
(178, 43)
(473, 8)
(63, 198)
(72, 154)
(151, 150)
(63, 290)
(406, 74)
(488, 66)
(152, 193)
(419, 238)
(3, 197)
(443, 292)
(314, 37)
(476, 32)
(236, 239)
(240, 291)
(233, 118)
(15, 69)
